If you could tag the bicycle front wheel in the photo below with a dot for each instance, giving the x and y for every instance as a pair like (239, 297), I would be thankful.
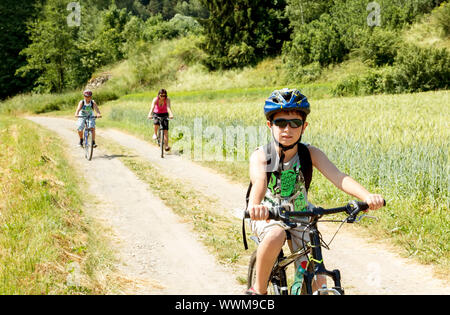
(161, 141)
(89, 146)
(275, 285)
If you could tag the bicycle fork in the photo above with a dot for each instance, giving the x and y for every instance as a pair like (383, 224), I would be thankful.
(319, 267)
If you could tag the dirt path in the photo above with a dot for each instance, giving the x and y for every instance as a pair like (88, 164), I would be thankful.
(157, 252)
(366, 267)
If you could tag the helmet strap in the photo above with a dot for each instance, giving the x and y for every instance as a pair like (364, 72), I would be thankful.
(285, 148)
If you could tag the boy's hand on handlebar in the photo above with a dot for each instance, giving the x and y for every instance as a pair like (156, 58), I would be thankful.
(375, 201)
(258, 212)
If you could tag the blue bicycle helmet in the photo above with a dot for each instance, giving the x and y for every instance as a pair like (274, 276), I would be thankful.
(286, 99)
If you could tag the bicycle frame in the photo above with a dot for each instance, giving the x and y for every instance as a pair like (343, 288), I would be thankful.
(313, 251)
(87, 131)
(160, 136)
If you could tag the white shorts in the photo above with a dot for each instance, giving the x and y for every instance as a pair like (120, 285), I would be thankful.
(299, 235)
(90, 123)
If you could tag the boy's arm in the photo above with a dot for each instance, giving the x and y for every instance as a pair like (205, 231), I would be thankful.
(78, 108)
(343, 181)
(259, 185)
(97, 110)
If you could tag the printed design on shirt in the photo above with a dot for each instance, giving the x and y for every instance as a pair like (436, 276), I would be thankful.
(287, 187)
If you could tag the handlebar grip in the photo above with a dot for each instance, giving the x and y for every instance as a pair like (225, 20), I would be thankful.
(364, 206)
(272, 215)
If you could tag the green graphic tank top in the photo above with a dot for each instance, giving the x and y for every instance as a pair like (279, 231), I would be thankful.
(287, 186)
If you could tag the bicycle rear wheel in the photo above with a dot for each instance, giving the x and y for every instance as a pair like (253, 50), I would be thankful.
(275, 285)
(89, 145)
(161, 141)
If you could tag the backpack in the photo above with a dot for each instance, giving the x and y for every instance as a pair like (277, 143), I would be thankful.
(305, 167)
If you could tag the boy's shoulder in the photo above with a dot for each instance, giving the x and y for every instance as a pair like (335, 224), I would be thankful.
(258, 156)
(268, 156)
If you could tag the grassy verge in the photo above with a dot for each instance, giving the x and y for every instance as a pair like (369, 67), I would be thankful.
(47, 244)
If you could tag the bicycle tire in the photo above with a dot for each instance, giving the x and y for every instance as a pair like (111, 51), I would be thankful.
(85, 144)
(251, 273)
(161, 141)
(89, 146)
(273, 285)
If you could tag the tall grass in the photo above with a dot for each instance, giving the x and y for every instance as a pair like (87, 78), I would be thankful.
(44, 103)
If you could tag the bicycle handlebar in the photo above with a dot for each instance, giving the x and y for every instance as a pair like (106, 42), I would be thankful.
(283, 213)
(160, 118)
(89, 116)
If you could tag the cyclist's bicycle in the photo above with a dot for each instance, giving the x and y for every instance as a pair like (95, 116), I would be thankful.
(160, 135)
(312, 250)
(87, 137)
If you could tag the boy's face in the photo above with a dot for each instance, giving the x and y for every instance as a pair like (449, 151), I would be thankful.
(287, 135)
(87, 98)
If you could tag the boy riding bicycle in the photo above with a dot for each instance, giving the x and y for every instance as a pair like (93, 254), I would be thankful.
(161, 108)
(86, 109)
(280, 173)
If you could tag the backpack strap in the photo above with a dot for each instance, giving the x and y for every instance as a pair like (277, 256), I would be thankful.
(305, 163)
(306, 169)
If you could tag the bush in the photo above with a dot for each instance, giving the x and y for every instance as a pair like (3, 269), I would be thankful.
(415, 69)
(441, 17)
(350, 86)
(153, 64)
(379, 47)
(421, 69)
(317, 42)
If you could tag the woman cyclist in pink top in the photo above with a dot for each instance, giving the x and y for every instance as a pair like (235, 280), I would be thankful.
(161, 108)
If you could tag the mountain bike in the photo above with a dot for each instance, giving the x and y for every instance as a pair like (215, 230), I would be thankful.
(312, 250)
(160, 135)
(87, 138)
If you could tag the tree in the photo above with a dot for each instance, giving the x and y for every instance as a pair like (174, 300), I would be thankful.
(192, 8)
(304, 11)
(52, 51)
(242, 32)
(111, 37)
(13, 38)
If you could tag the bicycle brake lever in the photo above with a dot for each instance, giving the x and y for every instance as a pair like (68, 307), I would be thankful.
(365, 216)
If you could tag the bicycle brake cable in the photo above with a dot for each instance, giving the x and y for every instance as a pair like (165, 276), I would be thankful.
(342, 223)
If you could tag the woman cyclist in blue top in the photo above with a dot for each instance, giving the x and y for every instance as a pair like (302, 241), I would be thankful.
(278, 176)
(86, 109)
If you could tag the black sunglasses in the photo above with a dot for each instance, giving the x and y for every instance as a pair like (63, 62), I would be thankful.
(282, 123)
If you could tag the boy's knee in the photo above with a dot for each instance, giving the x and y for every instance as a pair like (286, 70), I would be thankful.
(276, 236)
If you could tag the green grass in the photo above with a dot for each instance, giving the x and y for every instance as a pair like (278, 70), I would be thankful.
(47, 244)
